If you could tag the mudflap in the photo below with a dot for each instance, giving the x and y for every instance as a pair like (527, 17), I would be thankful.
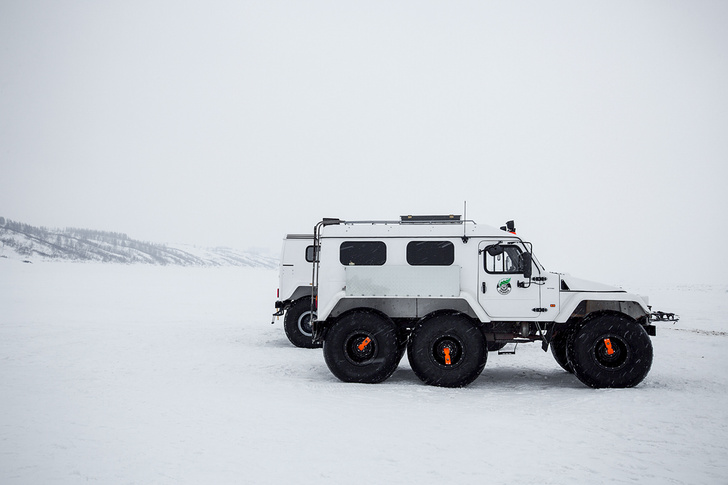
(549, 328)
(319, 332)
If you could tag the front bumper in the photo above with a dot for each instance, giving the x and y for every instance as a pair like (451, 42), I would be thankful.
(659, 317)
(663, 317)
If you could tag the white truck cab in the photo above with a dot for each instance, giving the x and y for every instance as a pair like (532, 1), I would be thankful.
(449, 290)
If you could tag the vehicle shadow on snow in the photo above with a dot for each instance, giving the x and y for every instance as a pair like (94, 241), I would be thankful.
(519, 377)
(279, 343)
(504, 378)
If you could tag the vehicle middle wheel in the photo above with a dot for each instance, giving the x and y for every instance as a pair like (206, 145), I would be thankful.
(362, 346)
(447, 350)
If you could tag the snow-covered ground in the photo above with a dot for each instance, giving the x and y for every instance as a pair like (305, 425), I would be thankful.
(147, 374)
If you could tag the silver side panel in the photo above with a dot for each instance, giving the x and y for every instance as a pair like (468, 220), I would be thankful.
(407, 281)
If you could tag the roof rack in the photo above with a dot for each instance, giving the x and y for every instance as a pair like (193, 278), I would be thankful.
(430, 218)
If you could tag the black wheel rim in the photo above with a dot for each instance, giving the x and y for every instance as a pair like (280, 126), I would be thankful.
(304, 324)
(610, 352)
(360, 348)
(447, 351)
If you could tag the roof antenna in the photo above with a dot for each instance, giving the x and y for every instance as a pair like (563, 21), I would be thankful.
(465, 220)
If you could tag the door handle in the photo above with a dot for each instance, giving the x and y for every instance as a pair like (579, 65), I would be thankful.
(483, 286)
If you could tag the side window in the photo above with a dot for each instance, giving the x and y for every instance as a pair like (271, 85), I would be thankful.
(309, 254)
(363, 253)
(508, 262)
(430, 253)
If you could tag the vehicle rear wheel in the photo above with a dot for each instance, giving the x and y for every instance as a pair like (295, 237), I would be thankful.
(362, 346)
(611, 351)
(447, 350)
(297, 324)
(558, 350)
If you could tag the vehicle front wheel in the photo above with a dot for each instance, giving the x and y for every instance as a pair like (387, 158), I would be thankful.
(447, 350)
(362, 346)
(297, 324)
(611, 351)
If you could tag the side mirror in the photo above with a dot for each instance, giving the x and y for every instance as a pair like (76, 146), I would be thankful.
(495, 249)
(527, 262)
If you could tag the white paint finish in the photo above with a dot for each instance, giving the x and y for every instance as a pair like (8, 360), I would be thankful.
(294, 271)
(407, 281)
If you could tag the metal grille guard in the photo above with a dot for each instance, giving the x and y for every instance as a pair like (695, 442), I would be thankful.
(663, 317)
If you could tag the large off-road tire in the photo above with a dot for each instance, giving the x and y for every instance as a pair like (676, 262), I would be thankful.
(297, 324)
(362, 346)
(447, 350)
(610, 350)
(558, 349)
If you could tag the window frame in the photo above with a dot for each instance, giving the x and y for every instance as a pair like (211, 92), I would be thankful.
(380, 244)
(506, 247)
(312, 251)
(448, 251)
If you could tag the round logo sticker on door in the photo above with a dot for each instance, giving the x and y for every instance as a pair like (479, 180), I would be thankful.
(504, 286)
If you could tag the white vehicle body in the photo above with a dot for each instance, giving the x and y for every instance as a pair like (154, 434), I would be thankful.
(402, 290)
(294, 271)
(294, 289)
(448, 289)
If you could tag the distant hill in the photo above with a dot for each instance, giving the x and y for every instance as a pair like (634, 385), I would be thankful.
(23, 241)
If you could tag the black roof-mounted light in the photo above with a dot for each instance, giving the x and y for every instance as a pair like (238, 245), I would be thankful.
(509, 227)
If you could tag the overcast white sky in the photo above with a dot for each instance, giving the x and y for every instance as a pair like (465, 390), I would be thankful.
(600, 127)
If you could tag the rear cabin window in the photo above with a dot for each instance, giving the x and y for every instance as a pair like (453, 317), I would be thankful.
(508, 262)
(363, 253)
(430, 253)
(310, 254)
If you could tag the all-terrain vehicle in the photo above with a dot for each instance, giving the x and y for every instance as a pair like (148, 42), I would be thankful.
(445, 289)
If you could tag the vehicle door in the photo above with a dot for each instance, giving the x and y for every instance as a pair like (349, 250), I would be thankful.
(503, 291)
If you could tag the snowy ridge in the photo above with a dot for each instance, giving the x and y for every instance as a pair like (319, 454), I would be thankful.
(25, 242)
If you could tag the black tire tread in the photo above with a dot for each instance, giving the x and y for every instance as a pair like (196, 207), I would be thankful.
(581, 355)
(381, 329)
(420, 358)
(290, 324)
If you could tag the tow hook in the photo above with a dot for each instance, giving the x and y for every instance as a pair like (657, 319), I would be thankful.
(281, 307)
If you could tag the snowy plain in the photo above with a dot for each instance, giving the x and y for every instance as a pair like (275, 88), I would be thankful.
(141, 374)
